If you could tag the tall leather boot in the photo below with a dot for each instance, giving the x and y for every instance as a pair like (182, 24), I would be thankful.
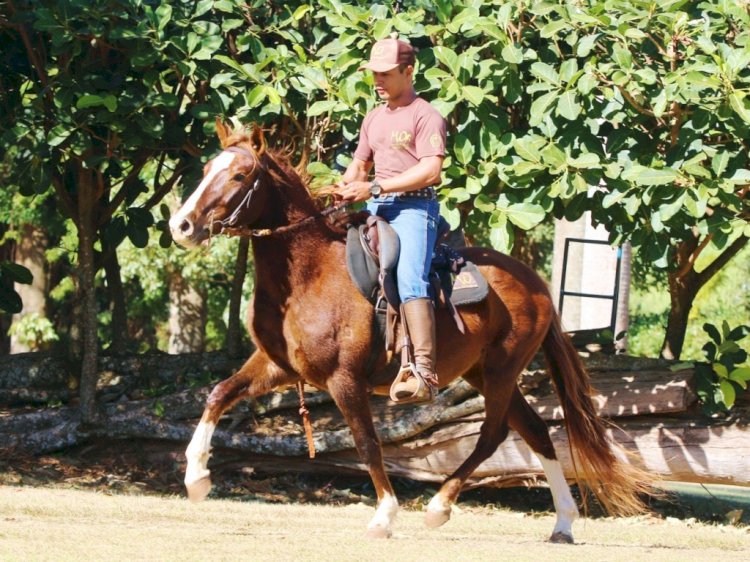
(419, 316)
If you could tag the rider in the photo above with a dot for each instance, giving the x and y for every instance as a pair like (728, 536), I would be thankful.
(404, 139)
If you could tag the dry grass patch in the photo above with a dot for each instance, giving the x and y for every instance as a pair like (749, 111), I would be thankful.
(60, 524)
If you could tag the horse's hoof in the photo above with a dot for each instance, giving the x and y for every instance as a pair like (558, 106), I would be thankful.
(378, 533)
(434, 519)
(198, 490)
(561, 538)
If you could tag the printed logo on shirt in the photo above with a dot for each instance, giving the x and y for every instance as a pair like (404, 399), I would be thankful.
(400, 140)
(436, 141)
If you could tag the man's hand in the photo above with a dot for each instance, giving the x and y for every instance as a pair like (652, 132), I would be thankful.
(354, 192)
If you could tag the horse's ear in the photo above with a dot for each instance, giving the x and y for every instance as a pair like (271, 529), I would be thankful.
(222, 131)
(257, 139)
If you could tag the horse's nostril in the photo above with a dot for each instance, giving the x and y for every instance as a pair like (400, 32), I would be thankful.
(186, 227)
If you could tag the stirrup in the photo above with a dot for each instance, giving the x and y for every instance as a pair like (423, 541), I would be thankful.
(425, 391)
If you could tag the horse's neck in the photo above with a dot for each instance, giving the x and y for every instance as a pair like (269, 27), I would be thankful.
(289, 261)
(286, 266)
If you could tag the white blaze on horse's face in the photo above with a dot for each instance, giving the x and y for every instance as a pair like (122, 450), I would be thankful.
(182, 223)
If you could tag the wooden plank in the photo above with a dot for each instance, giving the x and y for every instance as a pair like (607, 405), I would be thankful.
(624, 394)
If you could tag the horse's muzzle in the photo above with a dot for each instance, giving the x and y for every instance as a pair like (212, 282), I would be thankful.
(183, 232)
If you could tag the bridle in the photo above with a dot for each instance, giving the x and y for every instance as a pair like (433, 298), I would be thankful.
(229, 224)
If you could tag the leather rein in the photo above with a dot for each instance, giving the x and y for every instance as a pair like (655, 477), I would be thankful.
(229, 224)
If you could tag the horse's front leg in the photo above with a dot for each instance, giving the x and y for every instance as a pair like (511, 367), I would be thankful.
(353, 400)
(259, 375)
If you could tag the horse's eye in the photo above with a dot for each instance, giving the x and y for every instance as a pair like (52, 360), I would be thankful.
(239, 177)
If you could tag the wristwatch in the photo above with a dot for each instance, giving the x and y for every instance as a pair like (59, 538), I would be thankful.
(375, 188)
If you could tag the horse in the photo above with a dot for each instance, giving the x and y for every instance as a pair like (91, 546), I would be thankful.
(311, 324)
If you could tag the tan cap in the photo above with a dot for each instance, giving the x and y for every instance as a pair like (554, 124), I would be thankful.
(387, 54)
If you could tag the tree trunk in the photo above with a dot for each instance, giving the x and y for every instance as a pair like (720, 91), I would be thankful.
(30, 254)
(622, 315)
(87, 295)
(682, 291)
(684, 284)
(6, 254)
(524, 249)
(234, 325)
(119, 333)
(187, 316)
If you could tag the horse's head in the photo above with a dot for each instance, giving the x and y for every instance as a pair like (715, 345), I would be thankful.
(232, 192)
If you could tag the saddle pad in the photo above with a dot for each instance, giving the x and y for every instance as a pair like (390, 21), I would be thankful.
(469, 286)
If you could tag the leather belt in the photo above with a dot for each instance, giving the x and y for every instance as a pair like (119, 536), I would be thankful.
(424, 193)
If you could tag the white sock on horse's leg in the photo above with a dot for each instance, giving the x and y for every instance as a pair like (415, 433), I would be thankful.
(565, 505)
(438, 511)
(385, 515)
(198, 452)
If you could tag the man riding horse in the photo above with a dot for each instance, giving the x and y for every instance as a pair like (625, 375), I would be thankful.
(311, 323)
(405, 140)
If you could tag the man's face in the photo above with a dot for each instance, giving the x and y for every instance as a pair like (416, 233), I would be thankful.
(394, 83)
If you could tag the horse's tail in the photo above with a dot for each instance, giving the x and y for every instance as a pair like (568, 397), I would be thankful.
(615, 483)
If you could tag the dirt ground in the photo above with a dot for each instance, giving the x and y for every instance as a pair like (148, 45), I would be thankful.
(125, 501)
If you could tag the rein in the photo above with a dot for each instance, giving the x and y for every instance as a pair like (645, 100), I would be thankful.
(260, 232)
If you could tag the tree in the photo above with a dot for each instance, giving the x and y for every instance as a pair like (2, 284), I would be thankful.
(95, 91)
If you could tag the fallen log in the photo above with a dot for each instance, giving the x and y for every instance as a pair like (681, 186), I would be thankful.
(624, 393)
(668, 448)
(422, 442)
(41, 378)
(270, 425)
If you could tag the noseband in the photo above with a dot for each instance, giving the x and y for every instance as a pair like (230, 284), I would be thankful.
(229, 225)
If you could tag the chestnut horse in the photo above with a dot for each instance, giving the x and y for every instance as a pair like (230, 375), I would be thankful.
(310, 323)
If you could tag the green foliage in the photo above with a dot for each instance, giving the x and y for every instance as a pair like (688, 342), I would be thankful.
(146, 273)
(642, 105)
(34, 331)
(114, 85)
(726, 371)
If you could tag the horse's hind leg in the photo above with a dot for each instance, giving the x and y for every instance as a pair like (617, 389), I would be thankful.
(257, 376)
(497, 388)
(351, 397)
(533, 430)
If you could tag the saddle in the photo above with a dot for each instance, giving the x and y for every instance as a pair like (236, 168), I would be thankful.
(372, 251)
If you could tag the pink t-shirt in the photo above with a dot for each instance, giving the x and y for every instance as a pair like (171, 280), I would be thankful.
(396, 139)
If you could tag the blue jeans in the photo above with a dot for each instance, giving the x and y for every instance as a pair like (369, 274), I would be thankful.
(415, 221)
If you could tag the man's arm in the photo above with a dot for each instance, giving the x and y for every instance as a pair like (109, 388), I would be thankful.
(357, 170)
(423, 174)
